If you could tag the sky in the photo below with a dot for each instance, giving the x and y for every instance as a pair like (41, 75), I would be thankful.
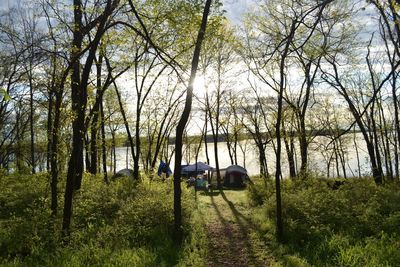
(3, 4)
(235, 9)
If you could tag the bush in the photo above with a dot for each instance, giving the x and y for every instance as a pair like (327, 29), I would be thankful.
(118, 224)
(354, 225)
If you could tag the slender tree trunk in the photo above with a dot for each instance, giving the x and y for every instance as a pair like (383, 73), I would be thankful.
(127, 157)
(95, 120)
(113, 153)
(103, 143)
(303, 146)
(31, 118)
(342, 158)
(357, 153)
(278, 172)
(87, 153)
(18, 142)
(385, 142)
(214, 130)
(76, 160)
(397, 125)
(54, 151)
(376, 141)
(50, 127)
(128, 131)
(289, 151)
(235, 145)
(136, 173)
(182, 123)
(205, 137)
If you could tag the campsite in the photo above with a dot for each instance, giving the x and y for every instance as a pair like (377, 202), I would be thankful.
(203, 133)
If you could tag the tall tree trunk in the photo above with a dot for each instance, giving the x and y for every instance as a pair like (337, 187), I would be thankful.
(288, 140)
(136, 173)
(357, 153)
(128, 131)
(103, 143)
(18, 142)
(303, 146)
(54, 151)
(182, 124)
(342, 158)
(49, 127)
(87, 153)
(397, 125)
(79, 100)
(376, 141)
(385, 142)
(113, 153)
(205, 137)
(214, 130)
(278, 172)
(75, 163)
(95, 120)
(31, 118)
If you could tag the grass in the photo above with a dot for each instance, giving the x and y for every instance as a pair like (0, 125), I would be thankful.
(355, 225)
(123, 224)
(127, 224)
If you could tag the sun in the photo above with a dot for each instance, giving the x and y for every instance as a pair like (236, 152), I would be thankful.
(199, 85)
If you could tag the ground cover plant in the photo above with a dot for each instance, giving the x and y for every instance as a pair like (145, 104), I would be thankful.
(356, 224)
(121, 224)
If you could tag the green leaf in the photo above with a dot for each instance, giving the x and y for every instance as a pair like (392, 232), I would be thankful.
(4, 94)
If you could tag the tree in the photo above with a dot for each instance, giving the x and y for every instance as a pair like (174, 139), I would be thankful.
(219, 58)
(79, 84)
(182, 124)
(281, 33)
(346, 84)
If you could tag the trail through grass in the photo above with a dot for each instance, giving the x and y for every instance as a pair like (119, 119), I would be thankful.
(232, 239)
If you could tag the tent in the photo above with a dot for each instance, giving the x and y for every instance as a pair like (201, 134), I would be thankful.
(123, 173)
(233, 176)
(194, 169)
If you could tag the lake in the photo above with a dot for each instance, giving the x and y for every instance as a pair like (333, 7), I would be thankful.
(318, 157)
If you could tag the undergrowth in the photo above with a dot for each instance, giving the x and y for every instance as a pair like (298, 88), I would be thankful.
(354, 225)
(121, 224)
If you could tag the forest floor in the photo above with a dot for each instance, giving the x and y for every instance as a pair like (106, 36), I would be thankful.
(232, 239)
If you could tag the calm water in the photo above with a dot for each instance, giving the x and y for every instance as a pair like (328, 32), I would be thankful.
(318, 155)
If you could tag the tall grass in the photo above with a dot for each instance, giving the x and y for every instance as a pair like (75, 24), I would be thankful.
(356, 225)
(121, 224)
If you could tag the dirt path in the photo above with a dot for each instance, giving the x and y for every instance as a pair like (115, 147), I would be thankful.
(229, 230)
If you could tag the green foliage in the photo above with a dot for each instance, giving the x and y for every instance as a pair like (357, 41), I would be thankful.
(4, 95)
(121, 224)
(259, 191)
(355, 225)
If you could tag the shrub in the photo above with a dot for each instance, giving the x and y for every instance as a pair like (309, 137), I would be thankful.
(350, 226)
(123, 223)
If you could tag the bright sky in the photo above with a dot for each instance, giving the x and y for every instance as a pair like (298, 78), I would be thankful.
(236, 8)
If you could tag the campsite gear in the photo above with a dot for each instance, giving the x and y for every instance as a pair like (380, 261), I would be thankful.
(164, 168)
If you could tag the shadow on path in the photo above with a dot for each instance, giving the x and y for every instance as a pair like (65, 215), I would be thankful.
(228, 232)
